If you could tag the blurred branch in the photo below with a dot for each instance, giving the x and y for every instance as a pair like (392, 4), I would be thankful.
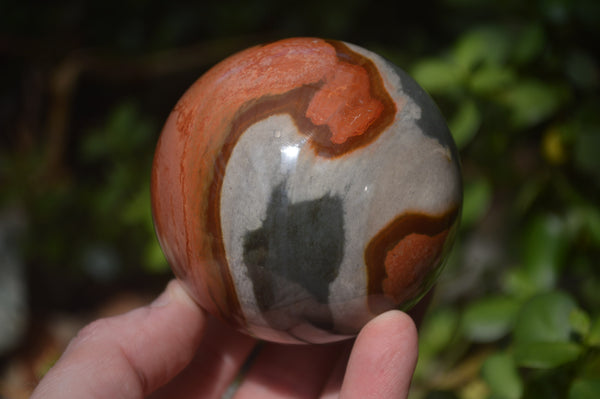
(64, 78)
(463, 372)
(150, 66)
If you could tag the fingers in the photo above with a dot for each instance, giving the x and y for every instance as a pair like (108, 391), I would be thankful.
(383, 359)
(289, 371)
(380, 365)
(218, 359)
(332, 388)
(130, 355)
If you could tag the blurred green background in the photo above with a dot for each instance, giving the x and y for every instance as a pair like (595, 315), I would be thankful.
(86, 86)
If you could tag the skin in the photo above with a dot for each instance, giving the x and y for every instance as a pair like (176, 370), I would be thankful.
(173, 349)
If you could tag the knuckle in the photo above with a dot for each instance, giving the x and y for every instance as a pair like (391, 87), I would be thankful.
(96, 330)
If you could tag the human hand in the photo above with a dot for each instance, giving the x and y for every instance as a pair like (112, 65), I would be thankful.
(173, 349)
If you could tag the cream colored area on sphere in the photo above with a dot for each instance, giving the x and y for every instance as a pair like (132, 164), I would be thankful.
(402, 170)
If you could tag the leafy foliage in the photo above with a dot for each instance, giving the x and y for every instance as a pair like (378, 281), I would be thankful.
(521, 117)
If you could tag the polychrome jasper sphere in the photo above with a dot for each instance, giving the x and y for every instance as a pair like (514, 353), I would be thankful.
(302, 187)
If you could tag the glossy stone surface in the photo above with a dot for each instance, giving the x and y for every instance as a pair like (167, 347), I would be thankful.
(302, 187)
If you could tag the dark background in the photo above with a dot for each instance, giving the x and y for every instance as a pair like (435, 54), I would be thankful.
(86, 86)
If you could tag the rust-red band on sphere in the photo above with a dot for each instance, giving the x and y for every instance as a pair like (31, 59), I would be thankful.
(402, 255)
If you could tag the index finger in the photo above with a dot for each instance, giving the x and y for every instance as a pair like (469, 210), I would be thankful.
(131, 355)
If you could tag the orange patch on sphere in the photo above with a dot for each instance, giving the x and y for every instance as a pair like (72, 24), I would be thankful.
(344, 103)
(409, 262)
(402, 258)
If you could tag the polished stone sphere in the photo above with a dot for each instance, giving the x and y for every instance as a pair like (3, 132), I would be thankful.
(302, 187)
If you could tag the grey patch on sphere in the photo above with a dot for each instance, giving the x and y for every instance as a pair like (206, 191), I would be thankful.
(432, 122)
(298, 246)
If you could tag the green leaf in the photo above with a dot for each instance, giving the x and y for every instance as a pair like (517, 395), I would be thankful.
(531, 102)
(545, 244)
(137, 210)
(477, 199)
(437, 75)
(489, 318)
(437, 330)
(545, 355)
(544, 318)
(125, 131)
(580, 322)
(482, 46)
(585, 389)
(593, 337)
(490, 79)
(436, 334)
(465, 123)
(154, 259)
(517, 282)
(500, 372)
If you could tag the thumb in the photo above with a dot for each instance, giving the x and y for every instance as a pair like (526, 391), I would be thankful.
(130, 355)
